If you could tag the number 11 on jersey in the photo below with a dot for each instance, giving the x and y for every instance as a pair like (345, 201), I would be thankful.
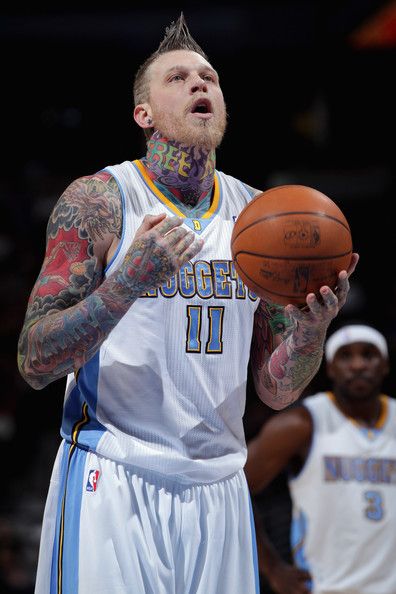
(214, 342)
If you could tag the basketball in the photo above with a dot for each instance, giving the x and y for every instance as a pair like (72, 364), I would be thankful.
(290, 241)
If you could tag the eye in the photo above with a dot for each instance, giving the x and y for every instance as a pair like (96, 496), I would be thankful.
(343, 354)
(176, 77)
(209, 77)
(371, 354)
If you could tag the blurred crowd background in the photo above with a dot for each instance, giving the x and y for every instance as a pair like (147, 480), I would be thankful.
(310, 92)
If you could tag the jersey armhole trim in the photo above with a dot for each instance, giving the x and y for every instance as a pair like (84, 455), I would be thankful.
(123, 204)
(251, 192)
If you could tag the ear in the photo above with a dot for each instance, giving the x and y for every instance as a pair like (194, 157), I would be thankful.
(142, 115)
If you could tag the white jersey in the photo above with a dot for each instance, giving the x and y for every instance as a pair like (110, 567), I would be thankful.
(344, 502)
(166, 390)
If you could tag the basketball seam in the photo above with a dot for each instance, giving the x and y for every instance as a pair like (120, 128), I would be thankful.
(288, 213)
(285, 295)
(298, 259)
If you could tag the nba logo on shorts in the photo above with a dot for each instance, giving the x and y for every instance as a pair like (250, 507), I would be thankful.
(92, 480)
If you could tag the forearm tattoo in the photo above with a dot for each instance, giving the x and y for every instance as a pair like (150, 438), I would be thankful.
(282, 372)
(294, 367)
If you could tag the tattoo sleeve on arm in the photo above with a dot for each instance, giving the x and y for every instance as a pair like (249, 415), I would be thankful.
(270, 323)
(72, 309)
(65, 321)
(284, 358)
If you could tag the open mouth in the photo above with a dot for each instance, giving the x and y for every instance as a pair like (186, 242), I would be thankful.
(202, 106)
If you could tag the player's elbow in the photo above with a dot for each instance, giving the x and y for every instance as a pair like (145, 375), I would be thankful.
(35, 381)
(276, 404)
(254, 480)
(28, 370)
(254, 486)
(277, 400)
(28, 365)
(273, 394)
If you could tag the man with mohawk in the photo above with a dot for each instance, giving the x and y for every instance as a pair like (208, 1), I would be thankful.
(154, 330)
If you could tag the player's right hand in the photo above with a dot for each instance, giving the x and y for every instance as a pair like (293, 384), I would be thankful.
(289, 579)
(159, 249)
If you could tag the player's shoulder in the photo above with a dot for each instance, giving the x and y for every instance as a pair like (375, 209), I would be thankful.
(318, 405)
(326, 416)
(296, 417)
(390, 403)
(288, 432)
(235, 182)
(95, 186)
(319, 401)
(93, 189)
(91, 202)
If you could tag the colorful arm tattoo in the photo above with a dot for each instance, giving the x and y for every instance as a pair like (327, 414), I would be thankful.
(72, 309)
(61, 329)
(65, 322)
(281, 372)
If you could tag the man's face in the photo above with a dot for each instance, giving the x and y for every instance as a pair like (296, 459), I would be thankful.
(186, 100)
(357, 371)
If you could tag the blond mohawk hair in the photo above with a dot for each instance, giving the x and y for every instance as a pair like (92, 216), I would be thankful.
(177, 37)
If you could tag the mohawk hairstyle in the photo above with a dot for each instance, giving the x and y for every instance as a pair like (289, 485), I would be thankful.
(177, 37)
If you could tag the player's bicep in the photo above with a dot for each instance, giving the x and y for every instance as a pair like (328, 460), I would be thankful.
(80, 229)
(69, 271)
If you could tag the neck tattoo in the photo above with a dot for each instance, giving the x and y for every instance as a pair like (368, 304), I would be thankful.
(184, 174)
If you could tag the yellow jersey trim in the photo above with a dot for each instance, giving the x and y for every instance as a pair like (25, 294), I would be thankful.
(210, 212)
(382, 416)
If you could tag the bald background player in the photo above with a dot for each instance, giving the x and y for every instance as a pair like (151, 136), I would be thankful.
(340, 450)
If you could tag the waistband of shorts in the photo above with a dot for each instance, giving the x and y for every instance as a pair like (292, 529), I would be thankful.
(171, 482)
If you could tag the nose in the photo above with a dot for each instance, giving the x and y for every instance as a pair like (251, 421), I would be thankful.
(198, 84)
(358, 362)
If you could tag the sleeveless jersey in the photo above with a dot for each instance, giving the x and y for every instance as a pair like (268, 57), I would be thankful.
(344, 502)
(166, 390)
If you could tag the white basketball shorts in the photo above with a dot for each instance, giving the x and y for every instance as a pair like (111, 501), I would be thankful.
(111, 529)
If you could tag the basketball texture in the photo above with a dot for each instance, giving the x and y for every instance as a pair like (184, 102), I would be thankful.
(290, 241)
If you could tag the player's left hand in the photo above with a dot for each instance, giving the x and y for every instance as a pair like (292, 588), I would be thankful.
(319, 312)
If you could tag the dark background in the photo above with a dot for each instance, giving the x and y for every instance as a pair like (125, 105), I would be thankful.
(309, 87)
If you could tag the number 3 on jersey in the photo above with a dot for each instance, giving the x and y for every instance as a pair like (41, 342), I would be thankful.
(214, 342)
(375, 509)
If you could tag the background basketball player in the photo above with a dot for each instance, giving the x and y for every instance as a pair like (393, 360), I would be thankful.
(340, 449)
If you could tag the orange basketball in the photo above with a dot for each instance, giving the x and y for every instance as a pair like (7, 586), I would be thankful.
(290, 241)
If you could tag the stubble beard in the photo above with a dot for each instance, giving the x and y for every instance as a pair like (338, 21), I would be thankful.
(204, 134)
